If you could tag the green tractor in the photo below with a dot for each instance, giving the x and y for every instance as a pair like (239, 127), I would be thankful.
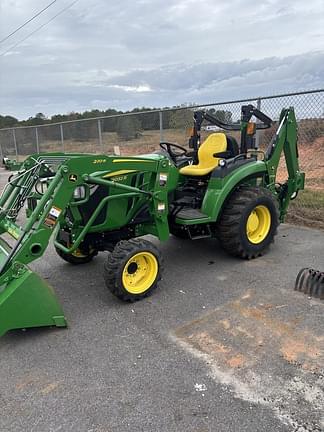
(11, 164)
(93, 203)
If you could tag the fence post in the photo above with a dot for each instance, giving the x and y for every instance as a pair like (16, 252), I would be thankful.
(15, 142)
(100, 135)
(258, 132)
(37, 142)
(62, 137)
(161, 125)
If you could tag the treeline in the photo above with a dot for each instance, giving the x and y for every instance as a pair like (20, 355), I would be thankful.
(126, 126)
(40, 119)
(7, 121)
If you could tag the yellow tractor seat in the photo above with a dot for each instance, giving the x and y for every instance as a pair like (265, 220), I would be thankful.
(214, 143)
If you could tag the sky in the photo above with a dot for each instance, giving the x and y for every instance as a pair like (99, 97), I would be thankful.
(131, 53)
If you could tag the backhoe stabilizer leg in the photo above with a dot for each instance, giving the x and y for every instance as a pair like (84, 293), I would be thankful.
(29, 301)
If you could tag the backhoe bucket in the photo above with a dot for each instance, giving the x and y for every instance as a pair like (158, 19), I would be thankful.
(28, 301)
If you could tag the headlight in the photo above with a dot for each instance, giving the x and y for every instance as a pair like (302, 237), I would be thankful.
(161, 206)
(222, 163)
(79, 193)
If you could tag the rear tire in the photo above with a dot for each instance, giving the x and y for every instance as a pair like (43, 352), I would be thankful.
(133, 269)
(248, 222)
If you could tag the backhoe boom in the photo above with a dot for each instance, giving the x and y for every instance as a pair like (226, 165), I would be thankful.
(285, 140)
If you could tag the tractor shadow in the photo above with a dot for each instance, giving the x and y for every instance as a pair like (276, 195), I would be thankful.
(82, 292)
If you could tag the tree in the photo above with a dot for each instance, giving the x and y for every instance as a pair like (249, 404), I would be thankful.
(7, 121)
(128, 127)
(39, 119)
(181, 119)
(222, 115)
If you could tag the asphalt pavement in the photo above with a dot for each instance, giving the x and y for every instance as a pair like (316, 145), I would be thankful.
(222, 345)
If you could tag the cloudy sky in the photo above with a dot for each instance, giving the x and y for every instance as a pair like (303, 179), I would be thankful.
(128, 53)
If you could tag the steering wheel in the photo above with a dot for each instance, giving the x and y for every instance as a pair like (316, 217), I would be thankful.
(167, 146)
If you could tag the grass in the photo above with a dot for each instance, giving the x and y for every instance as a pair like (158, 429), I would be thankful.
(307, 209)
(310, 198)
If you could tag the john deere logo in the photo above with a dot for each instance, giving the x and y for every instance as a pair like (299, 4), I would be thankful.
(73, 177)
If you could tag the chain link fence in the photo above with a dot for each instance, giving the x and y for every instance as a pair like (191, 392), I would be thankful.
(141, 132)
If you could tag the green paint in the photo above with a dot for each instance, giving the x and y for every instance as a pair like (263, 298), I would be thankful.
(149, 183)
(12, 164)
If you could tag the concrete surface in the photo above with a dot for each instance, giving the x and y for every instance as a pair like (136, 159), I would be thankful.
(222, 345)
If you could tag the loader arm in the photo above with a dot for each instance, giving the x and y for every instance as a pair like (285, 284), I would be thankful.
(25, 299)
(285, 140)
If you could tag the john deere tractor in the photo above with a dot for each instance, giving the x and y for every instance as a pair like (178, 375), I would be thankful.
(92, 203)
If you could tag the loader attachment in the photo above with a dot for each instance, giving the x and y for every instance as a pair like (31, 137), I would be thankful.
(28, 301)
(54, 189)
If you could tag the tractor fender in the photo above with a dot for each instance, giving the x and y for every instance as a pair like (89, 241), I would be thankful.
(220, 189)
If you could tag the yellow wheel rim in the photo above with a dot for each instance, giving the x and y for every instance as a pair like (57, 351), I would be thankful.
(78, 254)
(258, 224)
(140, 272)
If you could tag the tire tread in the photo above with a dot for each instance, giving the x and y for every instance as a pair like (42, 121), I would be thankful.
(116, 260)
(229, 224)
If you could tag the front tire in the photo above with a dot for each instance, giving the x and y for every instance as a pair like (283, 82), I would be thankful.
(77, 257)
(249, 222)
(133, 269)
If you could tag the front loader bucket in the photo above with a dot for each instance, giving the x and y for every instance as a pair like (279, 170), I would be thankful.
(28, 301)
